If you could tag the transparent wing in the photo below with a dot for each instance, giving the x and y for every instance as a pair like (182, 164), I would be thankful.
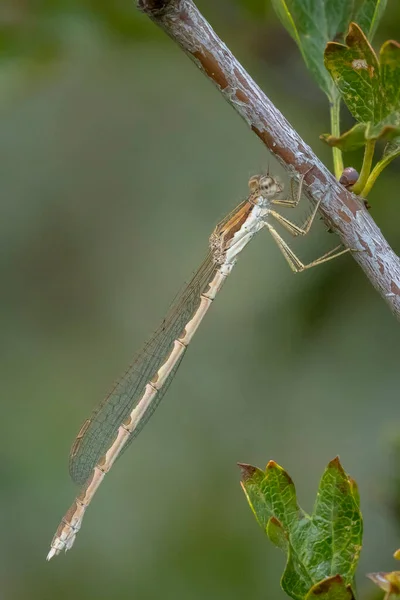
(98, 432)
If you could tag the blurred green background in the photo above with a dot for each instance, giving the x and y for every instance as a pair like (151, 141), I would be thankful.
(117, 160)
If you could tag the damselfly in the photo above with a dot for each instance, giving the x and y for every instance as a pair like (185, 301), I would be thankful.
(134, 398)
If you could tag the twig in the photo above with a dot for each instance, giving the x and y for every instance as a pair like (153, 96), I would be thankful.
(340, 209)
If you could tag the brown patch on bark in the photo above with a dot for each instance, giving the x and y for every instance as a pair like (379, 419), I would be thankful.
(395, 289)
(344, 216)
(212, 68)
(321, 177)
(241, 96)
(381, 267)
(351, 204)
(240, 78)
(287, 156)
(264, 136)
(365, 246)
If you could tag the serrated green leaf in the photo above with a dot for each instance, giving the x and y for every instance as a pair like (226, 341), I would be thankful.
(332, 588)
(370, 89)
(312, 23)
(296, 580)
(354, 68)
(279, 491)
(270, 494)
(318, 547)
(337, 517)
(368, 16)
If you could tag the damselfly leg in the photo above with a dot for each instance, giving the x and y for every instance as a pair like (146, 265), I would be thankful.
(295, 230)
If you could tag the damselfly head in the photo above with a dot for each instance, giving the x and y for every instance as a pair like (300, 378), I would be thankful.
(265, 186)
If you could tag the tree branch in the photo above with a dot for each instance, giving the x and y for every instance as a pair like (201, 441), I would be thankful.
(340, 209)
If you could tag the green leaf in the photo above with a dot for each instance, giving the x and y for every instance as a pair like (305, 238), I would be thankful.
(351, 140)
(389, 58)
(320, 546)
(388, 129)
(368, 16)
(332, 588)
(338, 519)
(371, 89)
(357, 136)
(354, 490)
(392, 149)
(312, 23)
(337, 17)
(277, 535)
(252, 478)
(354, 68)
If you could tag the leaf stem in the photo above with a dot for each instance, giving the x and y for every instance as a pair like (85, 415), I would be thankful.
(366, 167)
(335, 131)
(377, 170)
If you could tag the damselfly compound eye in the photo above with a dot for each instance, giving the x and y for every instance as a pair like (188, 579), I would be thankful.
(269, 186)
(254, 183)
